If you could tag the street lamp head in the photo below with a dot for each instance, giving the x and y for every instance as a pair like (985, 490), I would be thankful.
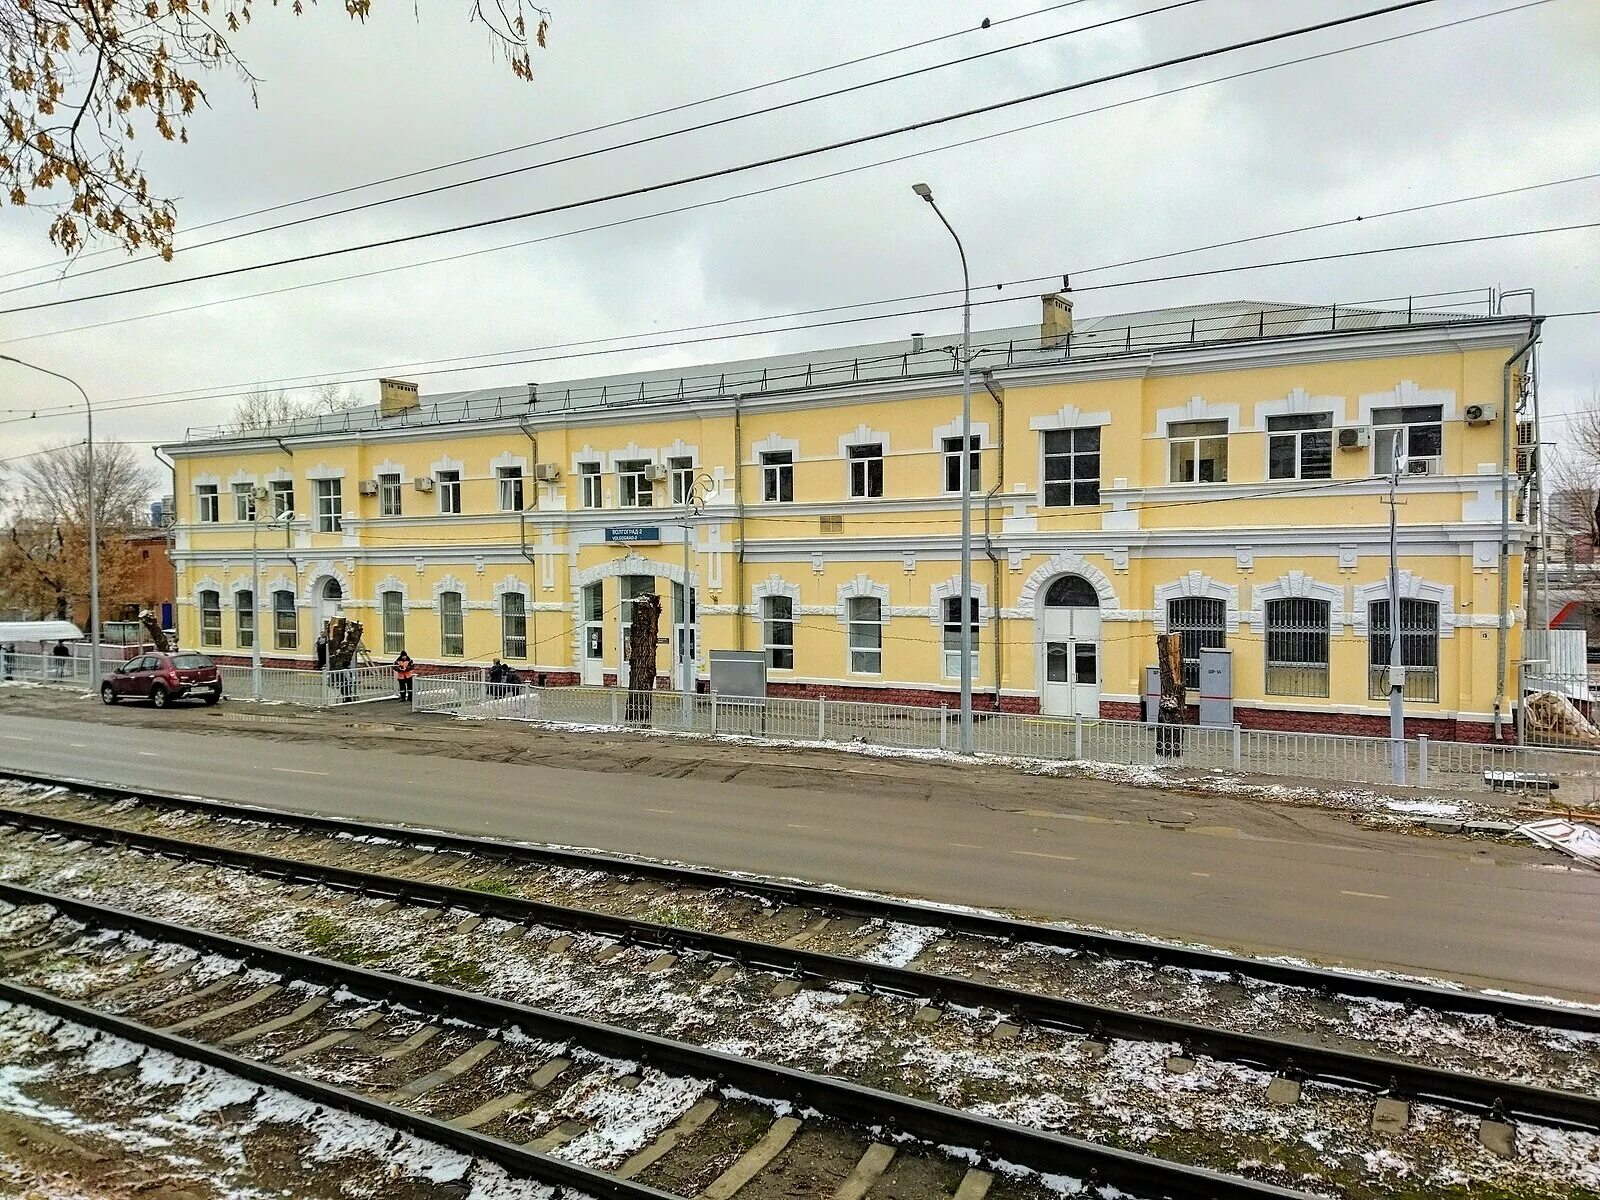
(924, 191)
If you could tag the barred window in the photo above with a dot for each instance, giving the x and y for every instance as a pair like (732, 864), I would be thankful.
(394, 622)
(1297, 647)
(452, 638)
(210, 618)
(1071, 467)
(388, 495)
(1201, 624)
(285, 621)
(865, 617)
(1419, 649)
(244, 619)
(777, 631)
(513, 625)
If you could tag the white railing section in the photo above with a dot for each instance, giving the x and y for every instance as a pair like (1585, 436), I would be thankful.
(48, 668)
(1340, 758)
(312, 689)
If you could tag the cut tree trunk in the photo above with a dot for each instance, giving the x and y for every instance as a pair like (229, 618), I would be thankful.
(1170, 712)
(158, 635)
(642, 658)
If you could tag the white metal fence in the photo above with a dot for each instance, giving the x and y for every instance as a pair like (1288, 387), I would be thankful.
(1335, 757)
(50, 668)
(312, 689)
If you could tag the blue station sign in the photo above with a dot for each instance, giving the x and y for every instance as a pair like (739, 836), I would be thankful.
(633, 533)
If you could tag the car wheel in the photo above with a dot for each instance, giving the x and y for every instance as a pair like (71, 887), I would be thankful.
(158, 696)
(108, 694)
(211, 697)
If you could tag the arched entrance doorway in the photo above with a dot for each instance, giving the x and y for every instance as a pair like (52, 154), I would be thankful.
(1071, 637)
(330, 603)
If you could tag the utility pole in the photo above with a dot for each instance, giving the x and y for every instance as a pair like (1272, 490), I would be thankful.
(697, 489)
(94, 532)
(966, 614)
(1397, 671)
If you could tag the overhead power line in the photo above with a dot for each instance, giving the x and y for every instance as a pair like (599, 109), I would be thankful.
(755, 164)
(577, 133)
(213, 394)
(771, 188)
(644, 140)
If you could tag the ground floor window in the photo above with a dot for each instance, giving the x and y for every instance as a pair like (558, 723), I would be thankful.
(244, 618)
(1200, 624)
(951, 612)
(1419, 649)
(777, 631)
(1297, 647)
(514, 625)
(452, 637)
(865, 617)
(210, 618)
(394, 622)
(285, 621)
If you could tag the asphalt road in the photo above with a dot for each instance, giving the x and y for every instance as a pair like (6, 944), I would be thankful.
(1488, 915)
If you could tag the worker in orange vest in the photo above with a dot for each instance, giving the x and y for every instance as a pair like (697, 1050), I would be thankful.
(405, 670)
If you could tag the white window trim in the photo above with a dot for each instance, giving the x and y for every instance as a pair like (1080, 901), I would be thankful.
(773, 442)
(511, 583)
(952, 588)
(1297, 585)
(322, 471)
(1030, 599)
(1412, 587)
(774, 585)
(861, 585)
(390, 467)
(1267, 434)
(1197, 584)
(1039, 463)
(391, 583)
(849, 442)
(883, 624)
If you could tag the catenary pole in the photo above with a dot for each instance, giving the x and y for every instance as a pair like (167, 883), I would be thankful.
(965, 615)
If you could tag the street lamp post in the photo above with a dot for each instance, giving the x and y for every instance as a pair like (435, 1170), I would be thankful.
(1397, 671)
(261, 498)
(697, 488)
(94, 531)
(965, 616)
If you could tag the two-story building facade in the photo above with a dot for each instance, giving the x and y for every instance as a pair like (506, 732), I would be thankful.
(1219, 472)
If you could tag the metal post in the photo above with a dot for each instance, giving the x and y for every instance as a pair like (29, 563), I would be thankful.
(94, 530)
(713, 713)
(822, 718)
(1238, 744)
(944, 726)
(965, 616)
(255, 599)
(685, 678)
(1397, 671)
(1422, 760)
(1077, 735)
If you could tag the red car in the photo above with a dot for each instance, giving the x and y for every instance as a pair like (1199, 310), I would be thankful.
(163, 678)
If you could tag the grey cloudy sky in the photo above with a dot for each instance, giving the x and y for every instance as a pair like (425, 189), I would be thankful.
(1493, 104)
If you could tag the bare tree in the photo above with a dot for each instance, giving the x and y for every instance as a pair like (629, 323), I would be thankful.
(1572, 473)
(263, 408)
(44, 556)
(80, 72)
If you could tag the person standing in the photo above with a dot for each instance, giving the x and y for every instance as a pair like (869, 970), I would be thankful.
(8, 658)
(60, 655)
(322, 650)
(405, 670)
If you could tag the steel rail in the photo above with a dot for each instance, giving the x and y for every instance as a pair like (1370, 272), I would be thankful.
(519, 1160)
(934, 1124)
(1299, 1060)
(1010, 930)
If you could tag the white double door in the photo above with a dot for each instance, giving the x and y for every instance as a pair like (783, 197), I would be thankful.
(1071, 639)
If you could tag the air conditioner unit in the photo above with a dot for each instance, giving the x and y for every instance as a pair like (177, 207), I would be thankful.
(368, 487)
(423, 483)
(546, 472)
(1422, 466)
(1480, 414)
(1355, 437)
(657, 474)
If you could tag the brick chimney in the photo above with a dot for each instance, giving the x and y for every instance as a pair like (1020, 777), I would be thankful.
(397, 395)
(1056, 321)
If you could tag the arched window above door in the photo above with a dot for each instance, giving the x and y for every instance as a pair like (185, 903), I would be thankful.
(1071, 591)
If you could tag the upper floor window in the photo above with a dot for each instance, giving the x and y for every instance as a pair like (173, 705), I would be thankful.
(210, 618)
(680, 470)
(952, 464)
(1300, 446)
(510, 483)
(392, 606)
(206, 503)
(777, 475)
(866, 470)
(514, 625)
(449, 492)
(865, 617)
(330, 505)
(951, 612)
(282, 496)
(1414, 432)
(633, 483)
(389, 495)
(1071, 467)
(1201, 624)
(589, 472)
(452, 634)
(1198, 451)
(244, 619)
(285, 621)
(244, 502)
(1419, 649)
(777, 631)
(1297, 647)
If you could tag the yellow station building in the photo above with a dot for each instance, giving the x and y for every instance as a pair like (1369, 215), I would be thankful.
(1221, 472)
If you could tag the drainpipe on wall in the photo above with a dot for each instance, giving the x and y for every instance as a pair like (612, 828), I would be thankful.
(738, 507)
(1507, 419)
(999, 395)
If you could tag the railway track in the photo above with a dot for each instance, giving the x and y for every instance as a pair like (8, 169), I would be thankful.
(294, 859)
(718, 1124)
